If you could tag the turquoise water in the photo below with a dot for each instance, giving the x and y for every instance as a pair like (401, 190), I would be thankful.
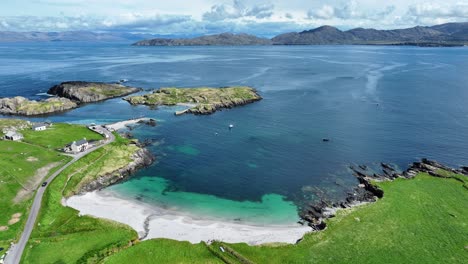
(271, 209)
(391, 104)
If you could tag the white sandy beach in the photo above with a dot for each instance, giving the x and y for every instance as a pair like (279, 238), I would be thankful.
(163, 223)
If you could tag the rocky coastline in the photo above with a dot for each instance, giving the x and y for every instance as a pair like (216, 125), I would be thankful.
(315, 213)
(24, 107)
(141, 159)
(207, 109)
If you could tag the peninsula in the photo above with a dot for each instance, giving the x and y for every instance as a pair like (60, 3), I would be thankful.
(69, 95)
(202, 100)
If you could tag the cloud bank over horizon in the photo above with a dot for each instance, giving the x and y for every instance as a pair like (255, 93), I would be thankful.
(259, 17)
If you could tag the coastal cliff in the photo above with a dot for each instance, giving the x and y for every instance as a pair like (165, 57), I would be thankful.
(201, 101)
(88, 92)
(22, 106)
(140, 159)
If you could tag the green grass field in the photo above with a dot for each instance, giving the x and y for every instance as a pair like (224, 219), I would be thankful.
(165, 251)
(422, 220)
(19, 163)
(80, 238)
(59, 135)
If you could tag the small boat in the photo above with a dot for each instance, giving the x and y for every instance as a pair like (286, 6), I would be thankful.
(325, 139)
(123, 80)
(231, 126)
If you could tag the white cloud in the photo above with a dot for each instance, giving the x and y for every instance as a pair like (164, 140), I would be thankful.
(238, 10)
(195, 17)
(348, 11)
(429, 13)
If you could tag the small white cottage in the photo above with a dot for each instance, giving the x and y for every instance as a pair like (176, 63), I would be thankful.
(39, 127)
(12, 135)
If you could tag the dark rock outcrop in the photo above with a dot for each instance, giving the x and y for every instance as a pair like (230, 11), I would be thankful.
(87, 92)
(315, 213)
(142, 158)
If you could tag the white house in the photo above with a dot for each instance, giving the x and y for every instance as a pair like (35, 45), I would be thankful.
(77, 146)
(39, 127)
(12, 135)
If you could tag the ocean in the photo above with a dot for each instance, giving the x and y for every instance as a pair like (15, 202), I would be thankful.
(375, 104)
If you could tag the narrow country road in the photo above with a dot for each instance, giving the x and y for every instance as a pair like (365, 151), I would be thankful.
(16, 251)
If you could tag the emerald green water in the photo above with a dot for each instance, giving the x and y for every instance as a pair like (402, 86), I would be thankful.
(271, 209)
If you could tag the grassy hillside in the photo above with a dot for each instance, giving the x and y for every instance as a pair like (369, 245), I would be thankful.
(80, 238)
(165, 251)
(422, 220)
(22, 169)
(59, 135)
(25, 165)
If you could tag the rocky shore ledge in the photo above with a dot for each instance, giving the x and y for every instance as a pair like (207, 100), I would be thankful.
(315, 213)
(142, 158)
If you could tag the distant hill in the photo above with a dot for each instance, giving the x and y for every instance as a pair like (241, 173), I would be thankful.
(9, 36)
(445, 34)
(450, 34)
(227, 39)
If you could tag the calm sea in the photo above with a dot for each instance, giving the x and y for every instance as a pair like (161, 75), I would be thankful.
(391, 104)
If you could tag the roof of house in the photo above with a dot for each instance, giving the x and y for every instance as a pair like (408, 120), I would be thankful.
(81, 142)
(39, 125)
(12, 134)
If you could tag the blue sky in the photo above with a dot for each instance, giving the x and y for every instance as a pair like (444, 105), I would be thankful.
(195, 17)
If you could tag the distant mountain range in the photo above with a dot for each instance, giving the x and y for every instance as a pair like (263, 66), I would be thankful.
(451, 34)
(9, 36)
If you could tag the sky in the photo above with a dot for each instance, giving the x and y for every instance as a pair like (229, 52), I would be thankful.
(197, 17)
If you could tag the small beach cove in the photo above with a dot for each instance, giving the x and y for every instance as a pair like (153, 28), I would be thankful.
(151, 221)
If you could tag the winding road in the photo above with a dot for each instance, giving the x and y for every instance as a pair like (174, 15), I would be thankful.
(16, 250)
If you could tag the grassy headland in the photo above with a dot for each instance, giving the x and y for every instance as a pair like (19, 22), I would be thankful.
(205, 100)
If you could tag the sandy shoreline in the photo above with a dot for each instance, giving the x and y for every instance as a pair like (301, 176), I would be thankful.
(155, 222)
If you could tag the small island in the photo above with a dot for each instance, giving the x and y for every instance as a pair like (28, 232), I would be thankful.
(88, 92)
(68, 95)
(201, 100)
(22, 106)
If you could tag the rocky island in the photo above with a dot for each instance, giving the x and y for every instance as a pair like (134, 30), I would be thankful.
(88, 92)
(68, 95)
(22, 106)
(202, 101)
